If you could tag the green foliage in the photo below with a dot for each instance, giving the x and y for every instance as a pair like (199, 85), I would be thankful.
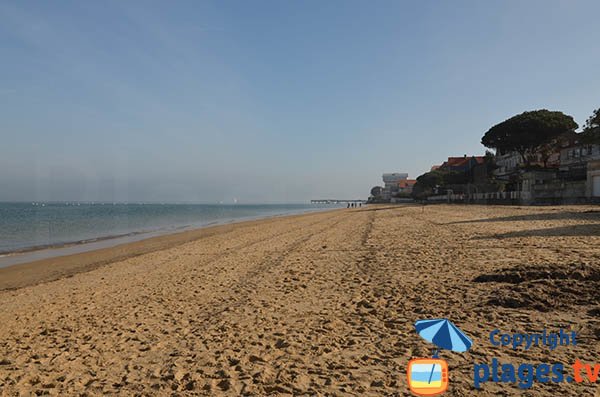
(527, 131)
(438, 178)
(455, 178)
(376, 191)
(594, 121)
(426, 184)
(490, 162)
(431, 179)
(420, 192)
(429, 182)
(591, 130)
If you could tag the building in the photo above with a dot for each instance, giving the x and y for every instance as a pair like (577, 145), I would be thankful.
(474, 169)
(405, 186)
(507, 164)
(569, 174)
(391, 183)
(393, 178)
(593, 180)
(574, 160)
(462, 164)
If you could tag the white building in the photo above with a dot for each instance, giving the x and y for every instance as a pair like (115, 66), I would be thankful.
(578, 154)
(507, 164)
(394, 177)
(593, 180)
(391, 183)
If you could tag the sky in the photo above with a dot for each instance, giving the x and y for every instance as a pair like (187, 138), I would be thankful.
(272, 101)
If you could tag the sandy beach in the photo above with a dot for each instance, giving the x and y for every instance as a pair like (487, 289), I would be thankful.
(316, 304)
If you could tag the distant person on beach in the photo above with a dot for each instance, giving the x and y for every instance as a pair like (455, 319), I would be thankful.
(348, 206)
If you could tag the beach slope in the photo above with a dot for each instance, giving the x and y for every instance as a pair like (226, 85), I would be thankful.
(318, 304)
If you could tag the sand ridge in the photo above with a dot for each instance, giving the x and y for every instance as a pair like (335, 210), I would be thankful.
(318, 304)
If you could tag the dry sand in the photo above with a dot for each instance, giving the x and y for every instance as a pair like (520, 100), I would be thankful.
(318, 304)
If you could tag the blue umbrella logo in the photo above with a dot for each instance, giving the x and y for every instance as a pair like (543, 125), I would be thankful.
(445, 335)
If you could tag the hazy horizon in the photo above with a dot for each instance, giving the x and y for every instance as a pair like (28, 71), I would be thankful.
(217, 203)
(271, 101)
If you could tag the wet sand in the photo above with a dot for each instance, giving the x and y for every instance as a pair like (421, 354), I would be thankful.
(78, 258)
(317, 304)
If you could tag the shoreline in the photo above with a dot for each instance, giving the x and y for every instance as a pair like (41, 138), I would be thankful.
(46, 251)
(131, 235)
(65, 244)
(23, 269)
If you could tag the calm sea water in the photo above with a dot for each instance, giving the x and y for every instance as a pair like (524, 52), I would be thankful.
(25, 225)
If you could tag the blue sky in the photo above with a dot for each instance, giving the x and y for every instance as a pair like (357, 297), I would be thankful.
(272, 101)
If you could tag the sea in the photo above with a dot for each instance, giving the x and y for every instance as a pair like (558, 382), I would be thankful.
(35, 226)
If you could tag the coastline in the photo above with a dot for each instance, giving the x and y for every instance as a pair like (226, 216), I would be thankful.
(66, 244)
(29, 267)
(119, 235)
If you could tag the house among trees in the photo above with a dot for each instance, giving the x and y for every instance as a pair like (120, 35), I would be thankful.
(460, 175)
(539, 158)
(507, 164)
(405, 186)
(552, 172)
(575, 157)
(462, 164)
(474, 168)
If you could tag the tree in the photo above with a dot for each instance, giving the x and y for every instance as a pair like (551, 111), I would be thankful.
(490, 162)
(549, 148)
(431, 179)
(546, 150)
(376, 191)
(591, 130)
(427, 183)
(527, 131)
